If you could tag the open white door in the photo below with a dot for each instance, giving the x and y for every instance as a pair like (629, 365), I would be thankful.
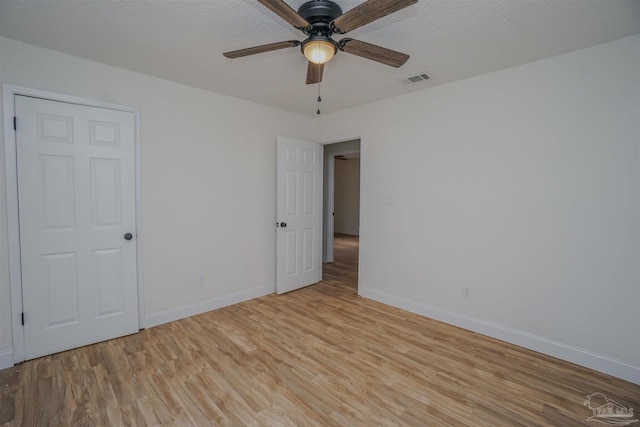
(299, 214)
(76, 186)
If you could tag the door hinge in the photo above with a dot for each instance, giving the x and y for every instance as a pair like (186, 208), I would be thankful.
(22, 319)
(15, 123)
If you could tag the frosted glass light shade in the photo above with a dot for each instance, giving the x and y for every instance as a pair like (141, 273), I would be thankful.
(319, 51)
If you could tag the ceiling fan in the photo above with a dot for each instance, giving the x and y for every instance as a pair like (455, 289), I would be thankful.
(319, 20)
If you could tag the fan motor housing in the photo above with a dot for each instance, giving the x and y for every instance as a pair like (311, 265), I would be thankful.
(319, 13)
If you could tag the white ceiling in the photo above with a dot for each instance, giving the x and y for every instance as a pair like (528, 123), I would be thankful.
(183, 41)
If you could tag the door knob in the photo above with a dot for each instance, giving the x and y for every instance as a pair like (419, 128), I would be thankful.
(128, 236)
(283, 224)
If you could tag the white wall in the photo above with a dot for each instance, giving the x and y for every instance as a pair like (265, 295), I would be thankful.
(207, 181)
(522, 185)
(347, 196)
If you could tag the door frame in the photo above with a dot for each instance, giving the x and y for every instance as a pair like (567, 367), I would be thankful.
(9, 92)
(331, 191)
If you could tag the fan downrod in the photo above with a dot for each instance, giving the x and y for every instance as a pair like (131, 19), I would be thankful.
(319, 13)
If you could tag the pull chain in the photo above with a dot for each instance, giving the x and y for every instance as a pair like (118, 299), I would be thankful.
(319, 100)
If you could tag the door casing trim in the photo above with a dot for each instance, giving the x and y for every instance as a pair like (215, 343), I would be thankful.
(9, 92)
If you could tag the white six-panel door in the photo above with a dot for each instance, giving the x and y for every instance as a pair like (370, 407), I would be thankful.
(299, 214)
(76, 192)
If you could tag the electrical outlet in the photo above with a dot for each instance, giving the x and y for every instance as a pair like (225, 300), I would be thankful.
(201, 281)
(466, 292)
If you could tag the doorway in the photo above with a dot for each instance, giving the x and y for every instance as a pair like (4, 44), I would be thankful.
(341, 213)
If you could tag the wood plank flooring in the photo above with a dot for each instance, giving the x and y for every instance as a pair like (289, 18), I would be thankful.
(320, 356)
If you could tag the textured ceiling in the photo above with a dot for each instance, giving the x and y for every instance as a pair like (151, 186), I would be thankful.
(183, 41)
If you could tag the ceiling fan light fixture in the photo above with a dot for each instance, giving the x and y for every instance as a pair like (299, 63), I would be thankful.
(319, 20)
(319, 51)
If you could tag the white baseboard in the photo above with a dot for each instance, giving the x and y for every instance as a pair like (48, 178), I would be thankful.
(6, 359)
(533, 342)
(348, 231)
(156, 319)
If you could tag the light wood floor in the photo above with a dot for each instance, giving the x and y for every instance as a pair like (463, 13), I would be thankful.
(320, 356)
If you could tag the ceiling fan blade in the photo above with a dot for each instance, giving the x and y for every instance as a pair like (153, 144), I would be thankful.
(373, 52)
(284, 11)
(367, 12)
(314, 73)
(261, 49)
